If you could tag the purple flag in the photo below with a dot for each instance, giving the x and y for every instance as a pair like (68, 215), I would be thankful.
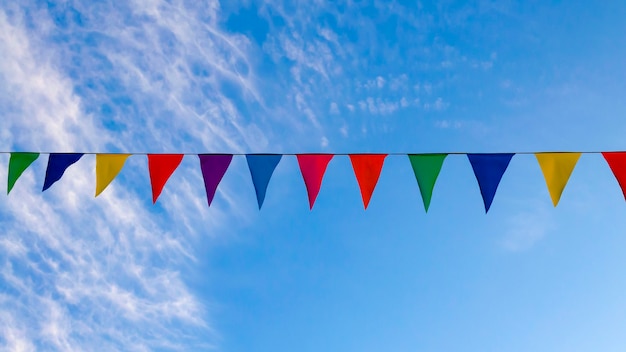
(213, 167)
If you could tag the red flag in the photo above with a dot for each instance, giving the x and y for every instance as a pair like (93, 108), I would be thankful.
(161, 167)
(367, 168)
(313, 167)
(617, 163)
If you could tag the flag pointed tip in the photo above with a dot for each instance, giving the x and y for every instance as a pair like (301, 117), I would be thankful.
(213, 167)
(489, 169)
(426, 168)
(313, 167)
(161, 167)
(108, 166)
(57, 165)
(18, 163)
(367, 168)
(617, 163)
(261, 168)
(557, 169)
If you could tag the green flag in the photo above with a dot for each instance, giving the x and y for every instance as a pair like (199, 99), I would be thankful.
(17, 164)
(426, 168)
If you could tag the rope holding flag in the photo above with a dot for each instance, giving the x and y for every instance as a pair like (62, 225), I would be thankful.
(488, 168)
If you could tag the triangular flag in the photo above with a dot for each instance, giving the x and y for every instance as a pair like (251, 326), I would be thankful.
(18, 163)
(426, 168)
(161, 167)
(557, 168)
(488, 169)
(367, 168)
(617, 163)
(213, 168)
(107, 167)
(313, 167)
(57, 164)
(261, 169)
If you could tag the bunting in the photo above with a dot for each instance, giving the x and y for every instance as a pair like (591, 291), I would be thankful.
(161, 167)
(557, 168)
(107, 167)
(488, 169)
(367, 168)
(57, 164)
(426, 168)
(313, 167)
(262, 167)
(617, 163)
(213, 168)
(18, 163)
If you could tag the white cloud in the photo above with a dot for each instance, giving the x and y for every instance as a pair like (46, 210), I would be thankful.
(399, 82)
(526, 229)
(344, 130)
(448, 124)
(438, 105)
(428, 88)
(81, 272)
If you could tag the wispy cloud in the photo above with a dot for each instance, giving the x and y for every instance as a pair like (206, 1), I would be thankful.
(527, 228)
(82, 272)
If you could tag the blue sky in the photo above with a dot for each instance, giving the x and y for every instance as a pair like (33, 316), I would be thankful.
(118, 273)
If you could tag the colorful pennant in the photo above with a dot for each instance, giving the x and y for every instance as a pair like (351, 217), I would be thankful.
(161, 167)
(107, 168)
(617, 163)
(557, 168)
(262, 167)
(313, 167)
(213, 168)
(18, 163)
(426, 168)
(488, 169)
(57, 164)
(367, 168)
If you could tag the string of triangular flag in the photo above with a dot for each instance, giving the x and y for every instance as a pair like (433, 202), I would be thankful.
(488, 168)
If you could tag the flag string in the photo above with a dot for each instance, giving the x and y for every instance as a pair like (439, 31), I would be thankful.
(488, 168)
(317, 153)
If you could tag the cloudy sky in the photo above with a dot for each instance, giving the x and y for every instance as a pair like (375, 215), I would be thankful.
(79, 273)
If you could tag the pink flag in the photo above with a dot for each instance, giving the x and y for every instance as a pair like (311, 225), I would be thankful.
(313, 167)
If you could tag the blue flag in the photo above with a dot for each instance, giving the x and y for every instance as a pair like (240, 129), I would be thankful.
(488, 169)
(261, 169)
(57, 164)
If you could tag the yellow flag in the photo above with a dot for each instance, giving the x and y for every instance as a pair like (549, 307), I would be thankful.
(557, 168)
(107, 167)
